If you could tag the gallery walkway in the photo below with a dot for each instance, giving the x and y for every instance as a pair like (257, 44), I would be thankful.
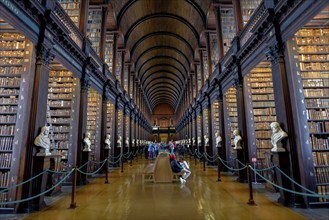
(200, 198)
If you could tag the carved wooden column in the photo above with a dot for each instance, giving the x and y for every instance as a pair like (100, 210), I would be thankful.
(209, 52)
(209, 149)
(83, 16)
(115, 47)
(103, 33)
(105, 99)
(289, 159)
(115, 152)
(242, 154)
(237, 16)
(124, 127)
(222, 150)
(219, 32)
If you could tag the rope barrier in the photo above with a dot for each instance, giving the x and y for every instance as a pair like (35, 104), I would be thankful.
(84, 164)
(115, 161)
(97, 162)
(94, 171)
(26, 181)
(310, 191)
(40, 194)
(210, 161)
(207, 155)
(288, 190)
(230, 168)
(115, 157)
(127, 156)
(58, 172)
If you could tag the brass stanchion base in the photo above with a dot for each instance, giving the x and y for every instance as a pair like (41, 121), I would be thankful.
(251, 202)
(73, 205)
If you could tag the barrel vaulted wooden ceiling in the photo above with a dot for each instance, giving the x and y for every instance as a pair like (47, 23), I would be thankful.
(161, 39)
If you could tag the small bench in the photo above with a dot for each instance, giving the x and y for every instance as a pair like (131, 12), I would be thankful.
(176, 176)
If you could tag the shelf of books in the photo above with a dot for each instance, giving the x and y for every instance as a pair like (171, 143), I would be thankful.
(120, 127)
(248, 7)
(109, 120)
(62, 89)
(109, 50)
(15, 52)
(216, 119)
(94, 108)
(118, 66)
(205, 116)
(127, 119)
(94, 27)
(228, 27)
(72, 9)
(260, 84)
(214, 50)
(204, 55)
(231, 120)
(199, 134)
(313, 55)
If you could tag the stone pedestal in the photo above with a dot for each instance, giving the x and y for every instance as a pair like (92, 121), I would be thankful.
(40, 163)
(281, 159)
(85, 158)
(243, 178)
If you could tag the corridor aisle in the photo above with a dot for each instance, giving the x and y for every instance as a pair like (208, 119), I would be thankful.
(200, 198)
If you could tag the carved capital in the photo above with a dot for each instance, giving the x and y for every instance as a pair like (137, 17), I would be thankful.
(45, 56)
(274, 54)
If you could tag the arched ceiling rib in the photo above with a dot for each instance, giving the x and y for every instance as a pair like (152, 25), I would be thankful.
(161, 36)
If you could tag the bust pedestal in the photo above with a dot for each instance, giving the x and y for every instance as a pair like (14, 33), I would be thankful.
(281, 159)
(242, 173)
(85, 158)
(40, 163)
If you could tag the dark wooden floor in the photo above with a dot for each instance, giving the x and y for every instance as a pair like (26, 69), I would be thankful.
(126, 197)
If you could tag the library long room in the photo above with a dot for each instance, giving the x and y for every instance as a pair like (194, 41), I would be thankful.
(152, 109)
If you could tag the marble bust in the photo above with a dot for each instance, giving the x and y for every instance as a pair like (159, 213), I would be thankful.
(188, 142)
(119, 141)
(206, 140)
(108, 142)
(237, 140)
(127, 142)
(193, 141)
(277, 136)
(43, 142)
(218, 139)
(87, 142)
(199, 141)
(133, 142)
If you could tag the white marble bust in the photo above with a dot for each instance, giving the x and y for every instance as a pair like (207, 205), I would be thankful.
(133, 142)
(127, 142)
(218, 139)
(206, 140)
(237, 140)
(43, 142)
(277, 136)
(87, 142)
(193, 141)
(108, 142)
(119, 141)
(188, 142)
(199, 141)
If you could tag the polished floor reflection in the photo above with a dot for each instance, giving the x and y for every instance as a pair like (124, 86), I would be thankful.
(126, 197)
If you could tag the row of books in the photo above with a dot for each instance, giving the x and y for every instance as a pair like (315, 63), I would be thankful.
(318, 126)
(323, 190)
(5, 160)
(322, 175)
(319, 143)
(317, 103)
(321, 158)
(6, 143)
(318, 114)
(7, 129)
(4, 179)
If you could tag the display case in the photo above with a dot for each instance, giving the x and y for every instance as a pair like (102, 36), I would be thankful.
(94, 26)
(94, 109)
(15, 58)
(72, 9)
(312, 50)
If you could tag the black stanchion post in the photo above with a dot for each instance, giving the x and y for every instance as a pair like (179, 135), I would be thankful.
(195, 157)
(73, 204)
(131, 159)
(204, 161)
(251, 196)
(218, 170)
(121, 160)
(107, 170)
